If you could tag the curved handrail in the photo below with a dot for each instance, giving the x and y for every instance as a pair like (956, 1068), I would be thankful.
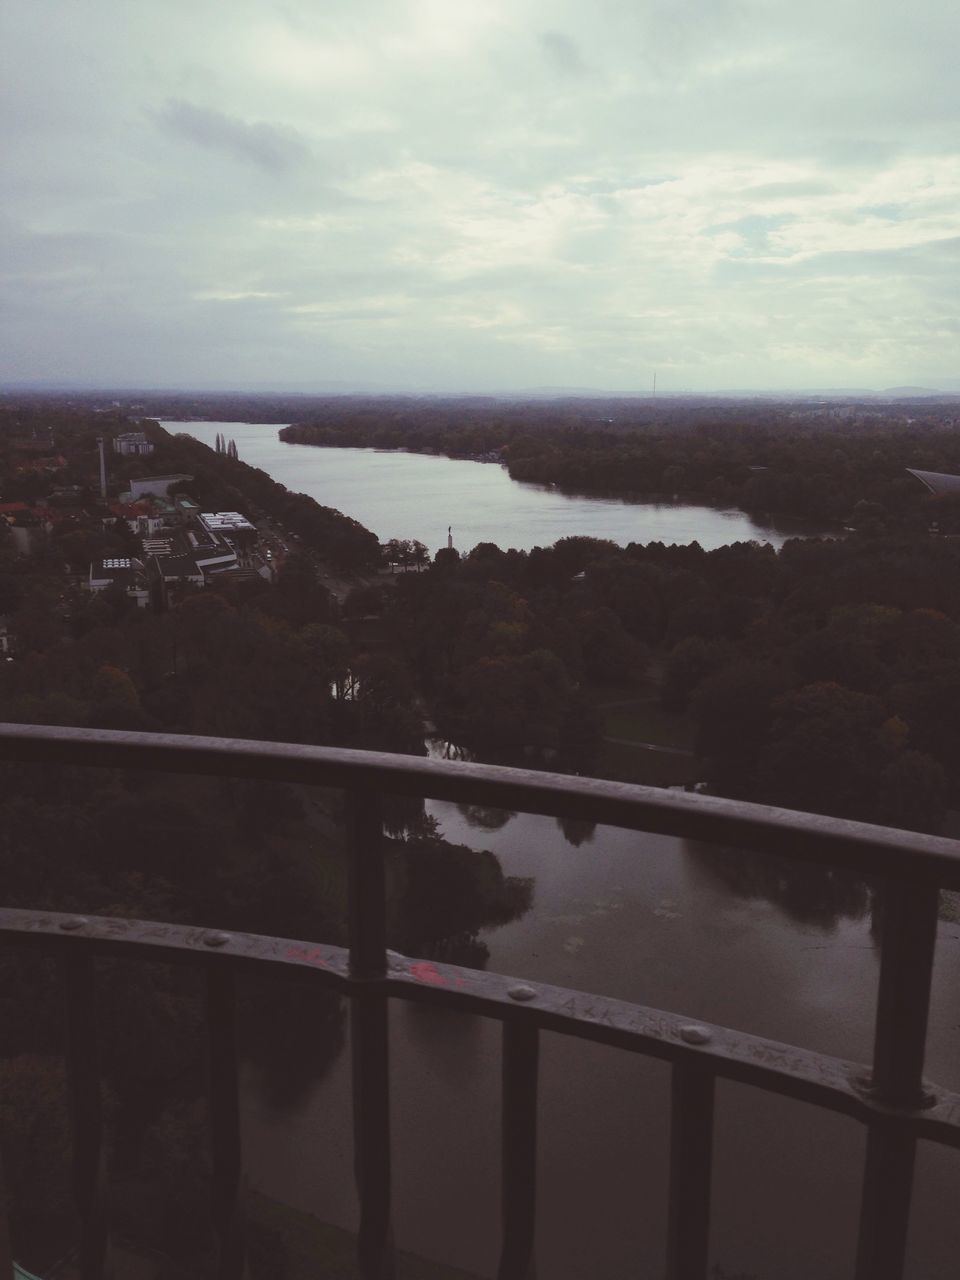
(858, 846)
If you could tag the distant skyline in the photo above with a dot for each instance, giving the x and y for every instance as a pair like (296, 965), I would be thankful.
(481, 195)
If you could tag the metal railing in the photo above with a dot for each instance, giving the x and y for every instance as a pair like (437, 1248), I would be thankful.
(890, 1096)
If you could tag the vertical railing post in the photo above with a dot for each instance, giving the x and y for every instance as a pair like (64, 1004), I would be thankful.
(85, 1109)
(519, 1123)
(226, 1181)
(6, 1246)
(908, 939)
(691, 1165)
(368, 1033)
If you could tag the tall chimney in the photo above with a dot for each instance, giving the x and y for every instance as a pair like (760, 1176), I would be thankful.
(103, 469)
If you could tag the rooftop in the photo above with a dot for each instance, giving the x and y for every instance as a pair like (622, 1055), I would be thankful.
(226, 521)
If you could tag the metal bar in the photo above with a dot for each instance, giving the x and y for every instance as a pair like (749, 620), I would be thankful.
(908, 939)
(859, 846)
(6, 1249)
(369, 1034)
(833, 1083)
(691, 1163)
(366, 886)
(519, 1121)
(885, 1204)
(86, 1112)
(226, 1180)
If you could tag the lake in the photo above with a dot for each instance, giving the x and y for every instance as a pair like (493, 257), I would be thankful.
(415, 495)
(785, 953)
(662, 922)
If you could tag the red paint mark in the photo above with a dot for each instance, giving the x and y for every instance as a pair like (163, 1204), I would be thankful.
(425, 971)
(311, 955)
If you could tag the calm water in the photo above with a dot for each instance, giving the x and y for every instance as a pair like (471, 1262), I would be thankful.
(410, 495)
(646, 918)
(642, 918)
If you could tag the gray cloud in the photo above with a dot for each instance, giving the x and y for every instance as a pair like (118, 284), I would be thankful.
(562, 52)
(482, 194)
(273, 148)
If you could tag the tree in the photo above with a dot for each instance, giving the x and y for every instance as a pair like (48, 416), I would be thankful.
(690, 662)
(326, 651)
(608, 654)
(419, 555)
(734, 710)
(834, 750)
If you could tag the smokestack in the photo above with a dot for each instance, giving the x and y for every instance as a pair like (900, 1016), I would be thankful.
(103, 469)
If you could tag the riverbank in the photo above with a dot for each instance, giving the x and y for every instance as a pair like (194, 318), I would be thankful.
(418, 496)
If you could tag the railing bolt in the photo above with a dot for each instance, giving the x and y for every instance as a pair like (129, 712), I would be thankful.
(694, 1033)
(75, 922)
(522, 992)
(216, 939)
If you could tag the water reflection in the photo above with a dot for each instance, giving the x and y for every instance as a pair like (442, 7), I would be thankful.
(807, 895)
(577, 831)
(445, 894)
(450, 1042)
(484, 817)
(291, 1036)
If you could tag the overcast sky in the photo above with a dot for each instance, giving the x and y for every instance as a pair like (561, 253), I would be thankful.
(481, 194)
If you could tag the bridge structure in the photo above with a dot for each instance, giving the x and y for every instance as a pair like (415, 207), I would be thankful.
(888, 1096)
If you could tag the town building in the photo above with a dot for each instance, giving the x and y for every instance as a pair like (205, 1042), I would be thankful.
(226, 522)
(132, 442)
(158, 486)
(144, 518)
(125, 572)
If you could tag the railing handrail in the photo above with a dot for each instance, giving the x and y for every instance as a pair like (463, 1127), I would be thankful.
(857, 846)
(891, 1098)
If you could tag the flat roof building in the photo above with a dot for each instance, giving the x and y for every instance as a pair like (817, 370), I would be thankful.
(225, 522)
(121, 571)
(132, 442)
(159, 485)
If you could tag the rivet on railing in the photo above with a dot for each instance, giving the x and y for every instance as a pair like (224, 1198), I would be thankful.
(216, 939)
(522, 992)
(75, 922)
(694, 1033)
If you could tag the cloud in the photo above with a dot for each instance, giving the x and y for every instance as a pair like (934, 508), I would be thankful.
(273, 148)
(480, 192)
(562, 52)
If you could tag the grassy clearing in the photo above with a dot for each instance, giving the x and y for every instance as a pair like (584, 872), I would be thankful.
(651, 768)
(646, 721)
(634, 712)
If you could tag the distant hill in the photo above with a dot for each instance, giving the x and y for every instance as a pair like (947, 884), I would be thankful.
(912, 391)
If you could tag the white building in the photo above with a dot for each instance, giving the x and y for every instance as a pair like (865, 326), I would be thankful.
(132, 442)
(225, 522)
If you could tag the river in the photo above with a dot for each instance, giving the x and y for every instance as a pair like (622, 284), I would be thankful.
(787, 954)
(415, 495)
